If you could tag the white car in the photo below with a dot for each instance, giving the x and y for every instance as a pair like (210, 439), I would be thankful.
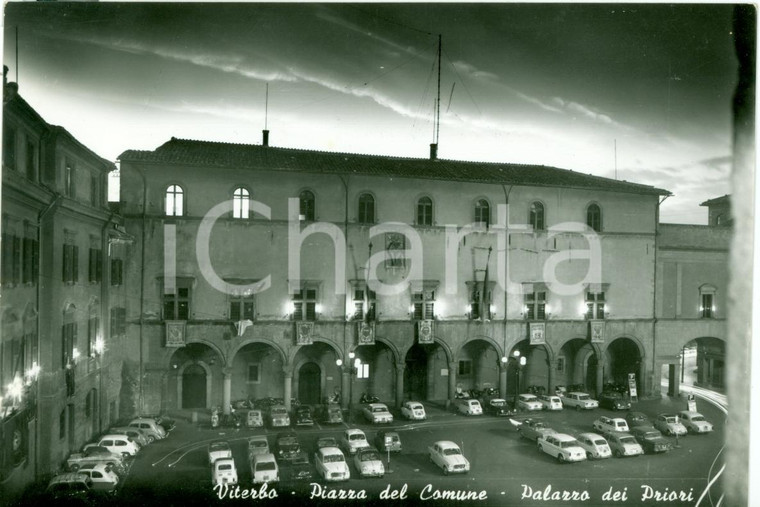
(377, 413)
(413, 410)
(529, 402)
(120, 444)
(140, 437)
(595, 445)
(150, 426)
(670, 425)
(610, 424)
(695, 422)
(264, 468)
(353, 440)
(218, 450)
(102, 476)
(550, 402)
(331, 464)
(624, 444)
(257, 445)
(368, 463)
(562, 446)
(223, 471)
(581, 401)
(448, 456)
(468, 407)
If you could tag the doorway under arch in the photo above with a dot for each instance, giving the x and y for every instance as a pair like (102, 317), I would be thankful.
(309, 383)
(194, 387)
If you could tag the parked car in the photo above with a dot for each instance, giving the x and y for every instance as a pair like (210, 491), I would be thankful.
(498, 407)
(637, 419)
(287, 445)
(596, 446)
(218, 450)
(326, 442)
(298, 469)
(388, 441)
(607, 424)
(368, 463)
(257, 445)
(140, 437)
(150, 426)
(331, 413)
(670, 425)
(468, 406)
(550, 402)
(120, 444)
(278, 416)
(650, 439)
(561, 446)
(623, 444)
(528, 402)
(167, 423)
(331, 464)
(353, 440)
(413, 410)
(303, 416)
(377, 413)
(93, 454)
(532, 429)
(264, 469)
(69, 487)
(102, 476)
(581, 401)
(448, 456)
(254, 419)
(223, 471)
(695, 422)
(614, 401)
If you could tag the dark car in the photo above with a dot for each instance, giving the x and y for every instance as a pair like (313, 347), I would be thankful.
(287, 446)
(613, 401)
(651, 439)
(388, 440)
(637, 419)
(331, 413)
(299, 468)
(533, 429)
(303, 416)
(498, 407)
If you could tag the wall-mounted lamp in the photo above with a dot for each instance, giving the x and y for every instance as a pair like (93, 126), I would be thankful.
(318, 308)
(523, 361)
(516, 353)
(75, 354)
(338, 363)
(290, 308)
(504, 359)
(99, 347)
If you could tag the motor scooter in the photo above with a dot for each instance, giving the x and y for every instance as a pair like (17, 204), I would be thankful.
(215, 418)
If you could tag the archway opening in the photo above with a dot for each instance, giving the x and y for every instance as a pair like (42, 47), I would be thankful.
(529, 370)
(327, 379)
(376, 372)
(187, 386)
(257, 372)
(622, 358)
(194, 387)
(309, 383)
(478, 366)
(426, 373)
(576, 366)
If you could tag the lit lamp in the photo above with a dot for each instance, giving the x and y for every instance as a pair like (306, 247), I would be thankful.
(98, 347)
(75, 354)
(353, 362)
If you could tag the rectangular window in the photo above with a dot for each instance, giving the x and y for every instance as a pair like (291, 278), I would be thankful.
(305, 304)
(70, 263)
(31, 261)
(62, 424)
(241, 308)
(9, 147)
(423, 303)
(535, 304)
(480, 302)
(31, 345)
(177, 305)
(364, 309)
(706, 310)
(6, 243)
(16, 267)
(395, 250)
(92, 335)
(69, 174)
(31, 160)
(118, 321)
(96, 265)
(117, 272)
(254, 373)
(595, 305)
(69, 339)
(362, 370)
(561, 364)
(465, 368)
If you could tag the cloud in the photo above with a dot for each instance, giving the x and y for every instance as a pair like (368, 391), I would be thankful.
(473, 72)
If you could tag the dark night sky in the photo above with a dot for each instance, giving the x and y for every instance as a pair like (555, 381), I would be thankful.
(544, 84)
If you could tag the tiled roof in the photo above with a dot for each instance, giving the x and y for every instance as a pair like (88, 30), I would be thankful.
(724, 199)
(258, 157)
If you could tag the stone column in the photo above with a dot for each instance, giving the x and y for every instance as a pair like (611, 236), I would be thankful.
(599, 377)
(503, 380)
(227, 390)
(400, 383)
(550, 377)
(287, 387)
(676, 379)
(345, 387)
(452, 381)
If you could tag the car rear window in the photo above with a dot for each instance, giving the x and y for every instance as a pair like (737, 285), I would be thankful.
(600, 442)
(627, 440)
(265, 466)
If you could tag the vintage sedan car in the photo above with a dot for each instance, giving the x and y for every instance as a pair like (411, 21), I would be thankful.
(264, 469)
(614, 401)
(670, 425)
(138, 436)
(413, 410)
(353, 440)
(223, 471)
(550, 402)
(529, 402)
(637, 419)
(561, 446)
(448, 456)
(623, 444)
(254, 419)
(257, 445)
(69, 489)
(596, 446)
(331, 464)
(368, 463)
(532, 429)
(150, 425)
(331, 414)
(581, 401)
(278, 416)
(287, 445)
(121, 444)
(468, 407)
(650, 439)
(388, 441)
(298, 469)
(377, 413)
(93, 454)
(695, 422)
(303, 416)
(610, 424)
(217, 450)
(102, 476)
(499, 407)
(326, 442)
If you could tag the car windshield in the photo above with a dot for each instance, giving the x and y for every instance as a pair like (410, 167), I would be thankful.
(539, 424)
(379, 409)
(257, 443)
(451, 451)
(620, 423)
(356, 436)
(369, 456)
(265, 466)
(600, 442)
(583, 397)
(671, 420)
(498, 403)
(333, 411)
(416, 407)
(569, 443)
(652, 434)
(697, 418)
(225, 467)
(279, 411)
(287, 441)
(614, 395)
(627, 440)
(327, 442)
(334, 458)
(221, 446)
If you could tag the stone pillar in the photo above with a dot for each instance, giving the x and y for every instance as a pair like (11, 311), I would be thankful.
(400, 383)
(345, 387)
(287, 387)
(452, 381)
(227, 390)
(550, 376)
(599, 377)
(642, 380)
(503, 380)
(676, 380)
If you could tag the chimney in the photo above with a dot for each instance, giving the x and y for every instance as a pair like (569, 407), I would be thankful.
(10, 90)
(433, 151)
(265, 141)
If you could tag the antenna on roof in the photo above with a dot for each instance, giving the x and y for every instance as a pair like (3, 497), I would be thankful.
(265, 132)
(16, 54)
(615, 158)
(437, 112)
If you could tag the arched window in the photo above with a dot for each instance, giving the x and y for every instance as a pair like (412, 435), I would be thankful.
(594, 217)
(240, 203)
(175, 200)
(366, 209)
(425, 211)
(307, 205)
(483, 212)
(536, 218)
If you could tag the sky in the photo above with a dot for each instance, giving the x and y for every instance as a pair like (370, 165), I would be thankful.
(636, 92)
